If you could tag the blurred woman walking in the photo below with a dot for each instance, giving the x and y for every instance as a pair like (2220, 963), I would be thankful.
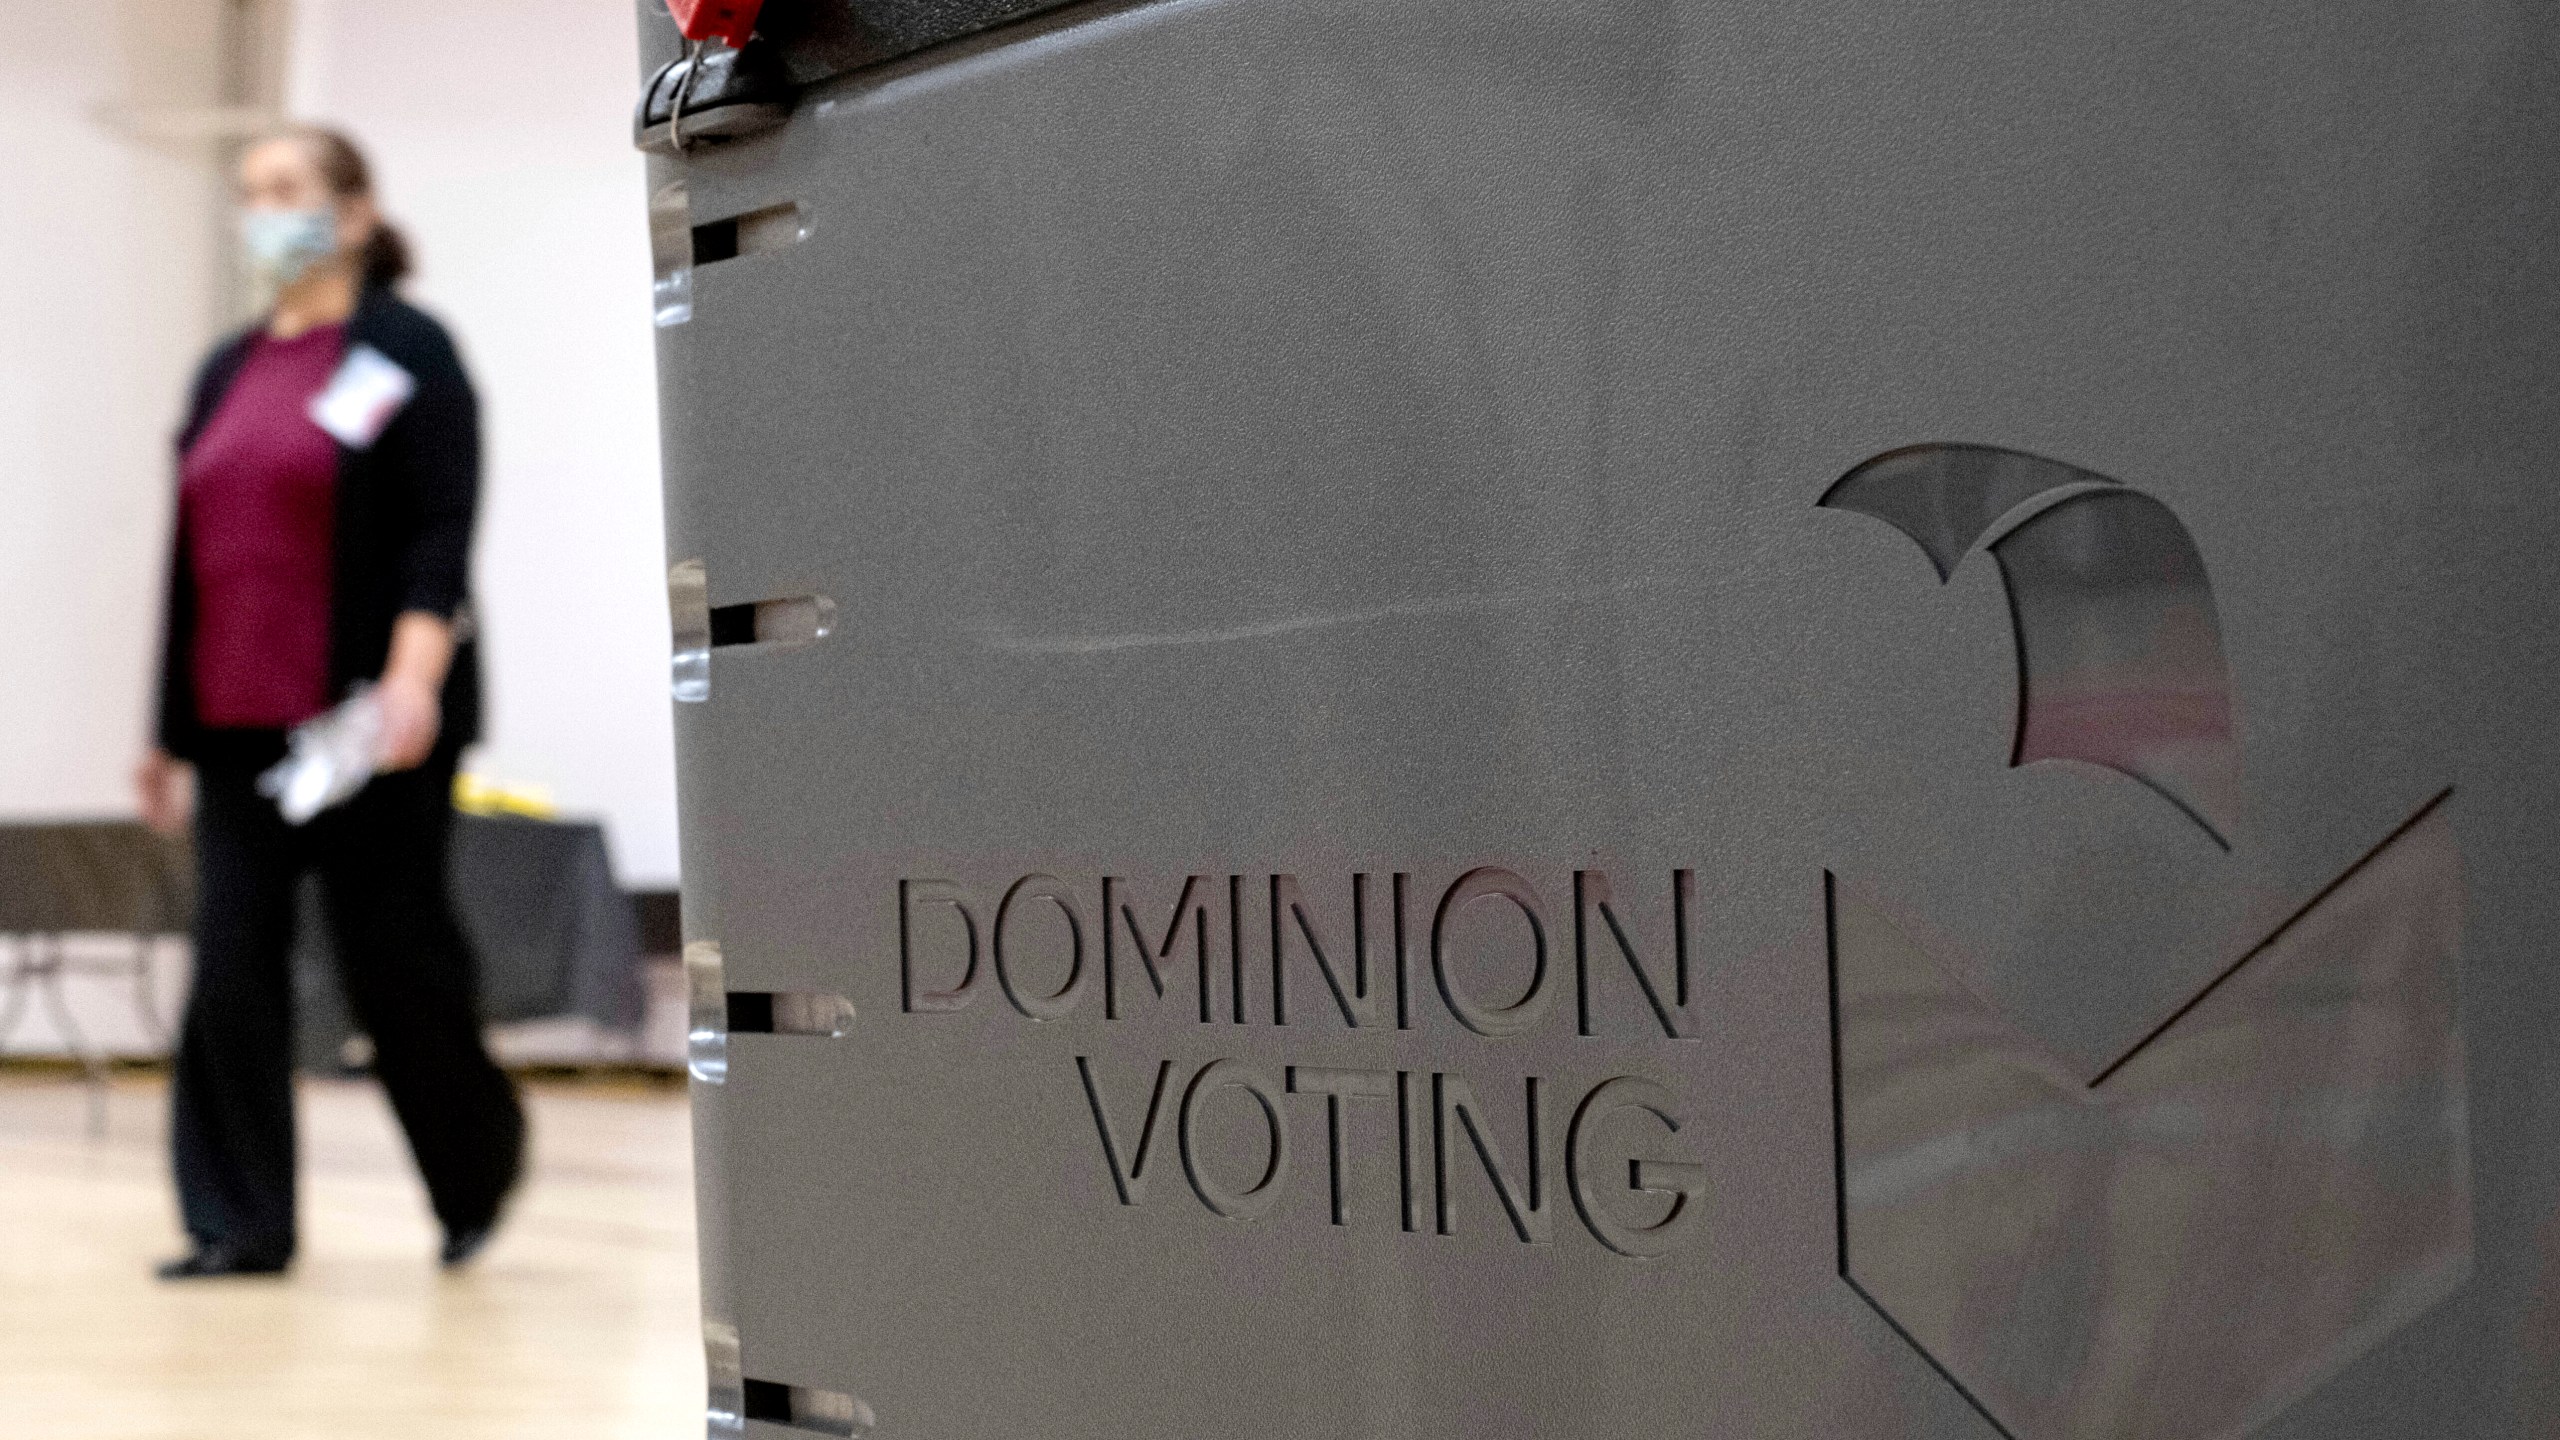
(328, 475)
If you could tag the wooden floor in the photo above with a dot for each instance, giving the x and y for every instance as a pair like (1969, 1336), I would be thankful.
(579, 1320)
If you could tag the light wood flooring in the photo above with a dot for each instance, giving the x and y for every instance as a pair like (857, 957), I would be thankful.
(578, 1321)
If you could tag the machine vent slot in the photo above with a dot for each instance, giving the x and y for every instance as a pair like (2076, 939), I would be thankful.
(820, 1412)
(776, 227)
(788, 1012)
(793, 620)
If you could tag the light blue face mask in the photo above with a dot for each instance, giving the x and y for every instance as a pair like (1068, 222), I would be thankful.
(282, 244)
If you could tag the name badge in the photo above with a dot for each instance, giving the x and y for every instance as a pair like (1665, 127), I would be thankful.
(369, 389)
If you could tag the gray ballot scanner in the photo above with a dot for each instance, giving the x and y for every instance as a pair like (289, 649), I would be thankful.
(1489, 720)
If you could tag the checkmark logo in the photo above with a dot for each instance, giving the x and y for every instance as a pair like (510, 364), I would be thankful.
(2263, 1184)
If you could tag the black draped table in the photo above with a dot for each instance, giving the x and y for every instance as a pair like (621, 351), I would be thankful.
(556, 936)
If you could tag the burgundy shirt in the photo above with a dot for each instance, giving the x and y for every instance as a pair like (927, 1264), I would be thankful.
(258, 492)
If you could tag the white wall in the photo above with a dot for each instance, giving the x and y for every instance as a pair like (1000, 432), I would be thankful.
(499, 131)
(107, 292)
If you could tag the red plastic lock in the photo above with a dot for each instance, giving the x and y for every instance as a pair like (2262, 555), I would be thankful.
(731, 21)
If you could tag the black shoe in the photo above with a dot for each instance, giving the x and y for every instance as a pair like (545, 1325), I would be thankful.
(724, 95)
(211, 1259)
(463, 1242)
(461, 1245)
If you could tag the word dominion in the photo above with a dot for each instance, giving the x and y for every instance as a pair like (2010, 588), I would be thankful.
(1369, 980)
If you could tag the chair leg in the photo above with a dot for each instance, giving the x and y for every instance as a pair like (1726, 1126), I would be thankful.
(146, 992)
(93, 1061)
(15, 982)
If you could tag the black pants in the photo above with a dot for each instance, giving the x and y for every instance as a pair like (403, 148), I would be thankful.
(409, 975)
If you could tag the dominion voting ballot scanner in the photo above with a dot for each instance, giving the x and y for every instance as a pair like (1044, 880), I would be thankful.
(1411, 720)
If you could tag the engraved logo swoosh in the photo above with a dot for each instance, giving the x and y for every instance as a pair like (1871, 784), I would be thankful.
(2263, 1186)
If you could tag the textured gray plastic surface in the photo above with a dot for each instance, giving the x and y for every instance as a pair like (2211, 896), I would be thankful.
(1322, 439)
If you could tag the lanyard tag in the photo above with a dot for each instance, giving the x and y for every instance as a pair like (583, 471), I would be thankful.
(369, 389)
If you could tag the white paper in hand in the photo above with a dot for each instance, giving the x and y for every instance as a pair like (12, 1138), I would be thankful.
(368, 389)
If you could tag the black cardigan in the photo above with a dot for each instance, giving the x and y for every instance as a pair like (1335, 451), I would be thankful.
(402, 538)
